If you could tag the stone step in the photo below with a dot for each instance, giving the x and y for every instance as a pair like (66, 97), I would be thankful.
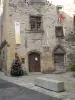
(59, 71)
(35, 73)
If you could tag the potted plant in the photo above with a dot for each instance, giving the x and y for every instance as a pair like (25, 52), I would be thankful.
(73, 69)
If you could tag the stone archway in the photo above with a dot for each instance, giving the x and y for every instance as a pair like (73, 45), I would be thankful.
(34, 62)
(59, 58)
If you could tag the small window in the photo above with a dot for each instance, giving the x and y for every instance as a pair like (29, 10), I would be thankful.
(59, 9)
(59, 31)
(35, 23)
(23, 60)
(60, 13)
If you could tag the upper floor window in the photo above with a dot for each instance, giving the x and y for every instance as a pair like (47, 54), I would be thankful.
(59, 9)
(59, 31)
(35, 23)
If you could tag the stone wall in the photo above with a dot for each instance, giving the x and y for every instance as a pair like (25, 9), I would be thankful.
(44, 42)
(3, 59)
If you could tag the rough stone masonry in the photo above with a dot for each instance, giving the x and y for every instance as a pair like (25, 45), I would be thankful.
(47, 43)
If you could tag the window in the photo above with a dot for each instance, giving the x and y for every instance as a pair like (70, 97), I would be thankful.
(59, 9)
(35, 23)
(59, 31)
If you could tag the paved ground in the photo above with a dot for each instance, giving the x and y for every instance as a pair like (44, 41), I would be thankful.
(28, 82)
(10, 91)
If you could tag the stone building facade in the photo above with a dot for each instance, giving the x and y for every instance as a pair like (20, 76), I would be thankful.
(46, 37)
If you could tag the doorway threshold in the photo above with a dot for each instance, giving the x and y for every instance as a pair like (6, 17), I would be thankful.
(35, 73)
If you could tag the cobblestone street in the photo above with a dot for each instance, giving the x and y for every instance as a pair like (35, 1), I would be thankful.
(10, 91)
(28, 82)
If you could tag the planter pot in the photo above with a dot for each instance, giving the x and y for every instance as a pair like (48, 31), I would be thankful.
(74, 74)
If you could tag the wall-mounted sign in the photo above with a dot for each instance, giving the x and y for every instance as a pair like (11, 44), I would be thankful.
(17, 33)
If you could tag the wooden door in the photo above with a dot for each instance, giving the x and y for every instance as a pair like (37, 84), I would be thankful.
(59, 61)
(34, 62)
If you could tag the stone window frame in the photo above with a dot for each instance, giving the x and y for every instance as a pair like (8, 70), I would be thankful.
(58, 12)
(61, 33)
(59, 6)
(41, 28)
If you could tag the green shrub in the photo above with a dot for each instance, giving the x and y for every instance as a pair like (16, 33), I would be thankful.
(16, 69)
(73, 67)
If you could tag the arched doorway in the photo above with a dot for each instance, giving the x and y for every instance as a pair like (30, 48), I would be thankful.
(59, 58)
(34, 62)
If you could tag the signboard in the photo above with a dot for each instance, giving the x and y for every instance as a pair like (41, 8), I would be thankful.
(17, 33)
